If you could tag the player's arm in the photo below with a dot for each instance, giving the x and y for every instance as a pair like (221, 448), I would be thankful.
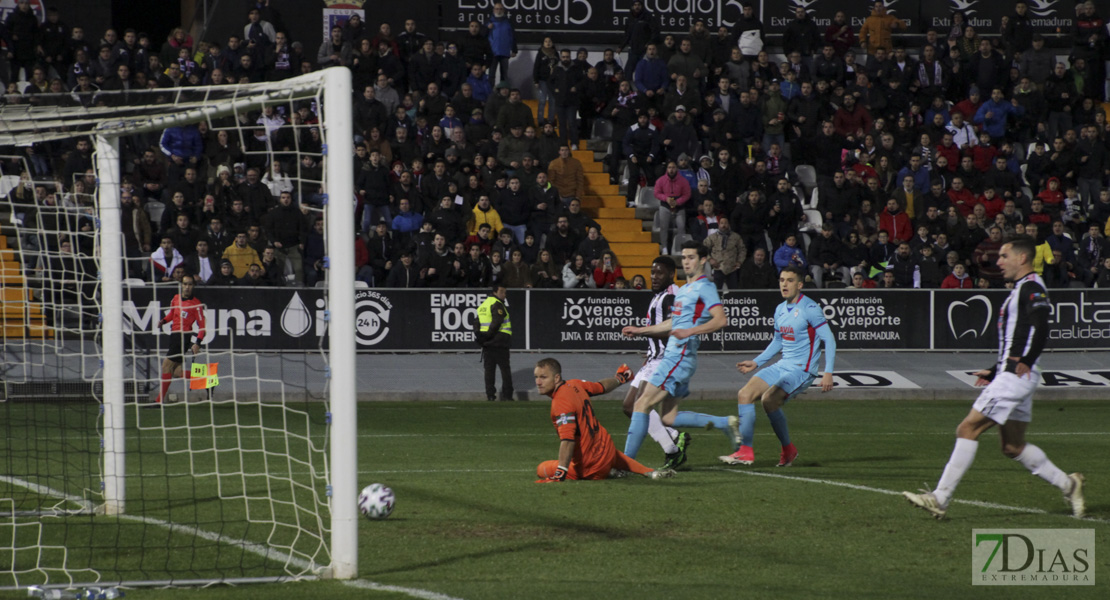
(829, 340)
(661, 330)
(1031, 329)
(768, 353)
(623, 376)
(816, 319)
(718, 321)
(566, 453)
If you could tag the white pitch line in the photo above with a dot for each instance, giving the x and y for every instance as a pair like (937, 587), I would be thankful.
(415, 593)
(866, 488)
(252, 547)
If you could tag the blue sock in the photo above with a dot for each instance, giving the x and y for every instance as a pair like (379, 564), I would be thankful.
(747, 424)
(637, 429)
(778, 423)
(693, 419)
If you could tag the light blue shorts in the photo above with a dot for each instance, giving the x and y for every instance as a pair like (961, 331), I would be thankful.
(792, 379)
(674, 372)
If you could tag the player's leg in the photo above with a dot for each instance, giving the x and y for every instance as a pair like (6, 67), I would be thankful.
(663, 435)
(638, 424)
(773, 400)
(621, 462)
(963, 455)
(745, 401)
(547, 469)
(1036, 461)
(728, 425)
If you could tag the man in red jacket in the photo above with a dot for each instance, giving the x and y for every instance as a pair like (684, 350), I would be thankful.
(895, 222)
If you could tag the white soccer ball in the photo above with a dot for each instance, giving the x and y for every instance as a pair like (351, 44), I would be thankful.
(376, 501)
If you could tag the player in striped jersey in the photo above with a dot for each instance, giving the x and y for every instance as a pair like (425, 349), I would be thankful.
(672, 442)
(697, 310)
(1007, 400)
(800, 330)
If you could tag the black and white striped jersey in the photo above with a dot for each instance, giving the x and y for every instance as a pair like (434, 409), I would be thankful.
(1023, 323)
(659, 311)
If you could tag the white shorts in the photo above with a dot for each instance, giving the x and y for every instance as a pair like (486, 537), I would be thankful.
(645, 373)
(1008, 398)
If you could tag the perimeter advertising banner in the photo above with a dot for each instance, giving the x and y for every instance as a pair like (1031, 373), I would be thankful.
(280, 319)
(965, 320)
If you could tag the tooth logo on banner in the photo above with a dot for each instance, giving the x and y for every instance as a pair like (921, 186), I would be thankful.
(295, 319)
(970, 318)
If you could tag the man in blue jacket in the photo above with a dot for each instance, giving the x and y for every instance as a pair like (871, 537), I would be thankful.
(993, 113)
(502, 40)
(651, 77)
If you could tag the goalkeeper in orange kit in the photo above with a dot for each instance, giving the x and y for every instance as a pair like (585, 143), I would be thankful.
(585, 449)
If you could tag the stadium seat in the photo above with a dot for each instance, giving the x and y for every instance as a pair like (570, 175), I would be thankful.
(813, 218)
(680, 238)
(831, 283)
(8, 183)
(361, 285)
(808, 176)
(603, 129)
(645, 198)
(813, 200)
(154, 210)
(133, 282)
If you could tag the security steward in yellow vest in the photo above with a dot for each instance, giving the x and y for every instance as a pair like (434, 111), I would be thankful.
(495, 333)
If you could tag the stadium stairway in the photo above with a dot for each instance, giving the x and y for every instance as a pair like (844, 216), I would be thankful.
(605, 203)
(20, 316)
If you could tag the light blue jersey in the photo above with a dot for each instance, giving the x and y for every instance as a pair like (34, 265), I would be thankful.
(691, 308)
(800, 330)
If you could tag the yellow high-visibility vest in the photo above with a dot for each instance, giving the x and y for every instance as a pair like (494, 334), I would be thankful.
(485, 317)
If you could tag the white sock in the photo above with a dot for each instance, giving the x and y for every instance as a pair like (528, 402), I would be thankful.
(661, 433)
(1034, 459)
(958, 464)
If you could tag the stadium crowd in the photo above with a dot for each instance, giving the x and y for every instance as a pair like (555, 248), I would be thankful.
(869, 157)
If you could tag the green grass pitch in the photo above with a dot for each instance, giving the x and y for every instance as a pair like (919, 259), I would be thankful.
(470, 522)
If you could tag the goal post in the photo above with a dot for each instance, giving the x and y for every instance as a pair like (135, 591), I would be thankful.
(123, 470)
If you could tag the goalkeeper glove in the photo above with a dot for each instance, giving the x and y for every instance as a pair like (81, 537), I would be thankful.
(559, 476)
(624, 374)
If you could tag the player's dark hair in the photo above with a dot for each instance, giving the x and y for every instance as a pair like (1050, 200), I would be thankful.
(795, 270)
(702, 250)
(550, 363)
(1023, 244)
(666, 262)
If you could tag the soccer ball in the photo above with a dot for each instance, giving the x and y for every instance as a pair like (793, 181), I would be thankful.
(376, 501)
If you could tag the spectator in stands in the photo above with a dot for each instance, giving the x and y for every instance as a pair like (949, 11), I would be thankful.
(502, 41)
(726, 254)
(202, 264)
(827, 256)
(608, 268)
(593, 246)
(164, 260)
(642, 147)
(673, 192)
(758, 273)
(877, 29)
(240, 254)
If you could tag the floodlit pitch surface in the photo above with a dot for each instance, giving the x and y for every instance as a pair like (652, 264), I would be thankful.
(470, 522)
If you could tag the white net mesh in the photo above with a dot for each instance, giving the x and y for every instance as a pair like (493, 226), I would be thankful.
(227, 476)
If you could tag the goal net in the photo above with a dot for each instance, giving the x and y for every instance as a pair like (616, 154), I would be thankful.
(116, 467)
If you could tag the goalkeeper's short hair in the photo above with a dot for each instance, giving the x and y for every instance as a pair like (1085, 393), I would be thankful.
(551, 363)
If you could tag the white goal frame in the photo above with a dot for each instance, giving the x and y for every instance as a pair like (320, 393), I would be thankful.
(338, 204)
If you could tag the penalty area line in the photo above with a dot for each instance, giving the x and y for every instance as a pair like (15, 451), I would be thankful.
(875, 490)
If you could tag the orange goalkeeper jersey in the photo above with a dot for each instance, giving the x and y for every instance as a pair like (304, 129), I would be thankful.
(574, 419)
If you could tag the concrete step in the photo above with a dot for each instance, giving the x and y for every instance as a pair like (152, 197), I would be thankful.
(603, 202)
(641, 249)
(630, 225)
(616, 213)
(627, 236)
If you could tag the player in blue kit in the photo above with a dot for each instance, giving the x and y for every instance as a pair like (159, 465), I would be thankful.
(800, 330)
(696, 310)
